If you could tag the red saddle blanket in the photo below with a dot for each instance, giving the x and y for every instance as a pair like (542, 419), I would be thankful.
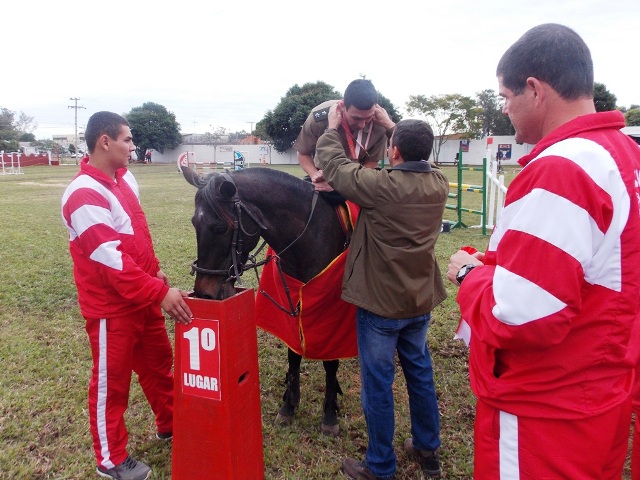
(325, 327)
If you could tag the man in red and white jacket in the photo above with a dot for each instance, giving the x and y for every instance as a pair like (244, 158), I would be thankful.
(553, 305)
(121, 291)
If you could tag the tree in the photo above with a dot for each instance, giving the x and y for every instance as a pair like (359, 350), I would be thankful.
(632, 116)
(493, 121)
(13, 131)
(152, 126)
(44, 145)
(217, 137)
(209, 138)
(27, 137)
(282, 125)
(447, 114)
(25, 124)
(234, 137)
(603, 99)
(8, 133)
(385, 103)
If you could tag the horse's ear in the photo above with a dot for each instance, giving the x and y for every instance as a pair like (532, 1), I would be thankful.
(191, 176)
(227, 189)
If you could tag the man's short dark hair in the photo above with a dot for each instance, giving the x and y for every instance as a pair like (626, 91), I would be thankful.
(361, 94)
(414, 140)
(554, 54)
(100, 123)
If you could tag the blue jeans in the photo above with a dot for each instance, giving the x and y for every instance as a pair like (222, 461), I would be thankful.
(378, 340)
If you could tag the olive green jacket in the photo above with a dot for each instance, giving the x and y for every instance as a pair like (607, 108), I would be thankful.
(391, 265)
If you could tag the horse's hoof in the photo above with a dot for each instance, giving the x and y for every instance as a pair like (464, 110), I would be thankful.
(330, 430)
(283, 420)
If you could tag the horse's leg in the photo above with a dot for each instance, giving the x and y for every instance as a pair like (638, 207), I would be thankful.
(291, 395)
(330, 425)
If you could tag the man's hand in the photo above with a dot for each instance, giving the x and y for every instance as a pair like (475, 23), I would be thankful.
(323, 187)
(335, 114)
(381, 117)
(317, 177)
(173, 303)
(320, 183)
(457, 261)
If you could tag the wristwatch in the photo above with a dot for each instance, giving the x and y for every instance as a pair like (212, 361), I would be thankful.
(464, 271)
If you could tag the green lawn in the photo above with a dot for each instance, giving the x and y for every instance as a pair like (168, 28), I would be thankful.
(45, 358)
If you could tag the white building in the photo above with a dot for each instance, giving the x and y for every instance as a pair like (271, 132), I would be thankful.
(70, 139)
(473, 151)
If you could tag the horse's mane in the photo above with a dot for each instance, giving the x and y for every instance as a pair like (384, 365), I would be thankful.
(284, 180)
(253, 183)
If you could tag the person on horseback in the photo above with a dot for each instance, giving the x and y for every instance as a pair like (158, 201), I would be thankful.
(364, 130)
(364, 134)
(393, 278)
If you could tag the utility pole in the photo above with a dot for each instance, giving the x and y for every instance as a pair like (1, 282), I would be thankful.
(251, 132)
(76, 107)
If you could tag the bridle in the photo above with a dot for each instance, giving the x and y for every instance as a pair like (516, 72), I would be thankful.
(237, 268)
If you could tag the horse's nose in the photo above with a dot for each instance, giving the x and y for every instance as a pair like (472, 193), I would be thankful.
(199, 294)
(208, 296)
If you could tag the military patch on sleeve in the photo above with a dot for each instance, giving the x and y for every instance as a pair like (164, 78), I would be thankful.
(321, 114)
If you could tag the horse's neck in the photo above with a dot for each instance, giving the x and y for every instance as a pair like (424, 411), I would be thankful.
(305, 252)
(285, 209)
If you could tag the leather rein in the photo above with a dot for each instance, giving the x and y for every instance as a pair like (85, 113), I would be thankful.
(237, 268)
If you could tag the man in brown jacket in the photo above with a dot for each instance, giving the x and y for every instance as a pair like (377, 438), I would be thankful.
(393, 278)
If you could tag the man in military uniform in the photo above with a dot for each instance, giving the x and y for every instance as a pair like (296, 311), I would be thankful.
(364, 131)
(363, 134)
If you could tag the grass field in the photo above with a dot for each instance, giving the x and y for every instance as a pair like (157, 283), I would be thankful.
(45, 359)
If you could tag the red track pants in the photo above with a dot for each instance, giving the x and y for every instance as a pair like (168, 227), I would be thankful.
(525, 448)
(635, 451)
(119, 346)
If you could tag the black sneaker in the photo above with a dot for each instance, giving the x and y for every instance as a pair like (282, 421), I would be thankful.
(130, 469)
(429, 459)
(164, 436)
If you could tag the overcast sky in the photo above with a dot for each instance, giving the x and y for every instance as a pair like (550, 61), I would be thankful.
(216, 63)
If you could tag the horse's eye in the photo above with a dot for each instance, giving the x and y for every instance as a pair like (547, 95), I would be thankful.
(219, 229)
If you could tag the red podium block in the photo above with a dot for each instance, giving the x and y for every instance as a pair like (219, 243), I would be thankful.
(217, 425)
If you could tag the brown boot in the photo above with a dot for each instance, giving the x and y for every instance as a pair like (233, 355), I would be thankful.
(358, 470)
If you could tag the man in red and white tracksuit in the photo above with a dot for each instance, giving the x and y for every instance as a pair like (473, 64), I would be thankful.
(553, 306)
(121, 290)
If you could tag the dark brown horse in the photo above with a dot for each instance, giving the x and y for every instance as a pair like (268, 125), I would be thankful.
(232, 211)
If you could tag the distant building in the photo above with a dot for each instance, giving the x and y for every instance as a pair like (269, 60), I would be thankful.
(633, 132)
(70, 139)
(26, 149)
(250, 140)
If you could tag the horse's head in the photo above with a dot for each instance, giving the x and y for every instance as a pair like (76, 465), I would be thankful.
(226, 232)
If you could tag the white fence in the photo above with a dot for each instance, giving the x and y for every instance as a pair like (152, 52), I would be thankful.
(11, 167)
(496, 191)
